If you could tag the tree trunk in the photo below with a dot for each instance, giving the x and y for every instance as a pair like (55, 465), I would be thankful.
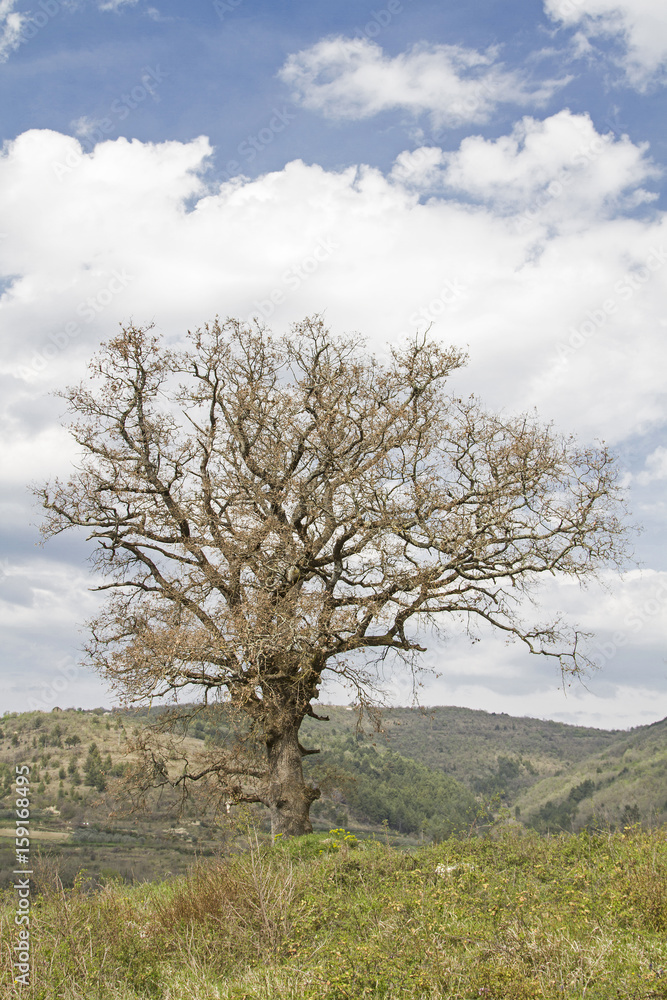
(289, 798)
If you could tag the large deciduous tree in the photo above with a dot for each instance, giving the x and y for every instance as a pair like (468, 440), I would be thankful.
(268, 508)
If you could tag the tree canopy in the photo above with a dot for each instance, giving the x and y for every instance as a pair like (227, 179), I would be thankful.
(267, 508)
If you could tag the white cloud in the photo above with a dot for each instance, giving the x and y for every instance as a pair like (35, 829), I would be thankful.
(33, 454)
(11, 28)
(115, 5)
(641, 26)
(655, 467)
(85, 126)
(598, 705)
(520, 274)
(59, 597)
(351, 78)
(155, 15)
(14, 24)
(498, 678)
(618, 615)
(546, 161)
(628, 624)
(419, 168)
(42, 605)
(96, 238)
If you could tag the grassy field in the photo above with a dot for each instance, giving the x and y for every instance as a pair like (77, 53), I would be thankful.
(515, 916)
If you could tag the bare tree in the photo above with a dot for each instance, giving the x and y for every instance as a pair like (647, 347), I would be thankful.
(266, 509)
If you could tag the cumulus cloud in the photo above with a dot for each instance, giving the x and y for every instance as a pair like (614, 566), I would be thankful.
(655, 467)
(557, 293)
(627, 626)
(498, 677)
(639, 25)
(42, 604)
(419, 168)
(631, 614)
(536, 164)
(542, 161)
(351, 78)
(520, 244)
(600, 705)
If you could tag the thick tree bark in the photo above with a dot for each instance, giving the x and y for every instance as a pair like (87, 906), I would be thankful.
(288, 796)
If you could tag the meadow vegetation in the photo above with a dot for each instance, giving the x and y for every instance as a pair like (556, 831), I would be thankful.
(509, 916)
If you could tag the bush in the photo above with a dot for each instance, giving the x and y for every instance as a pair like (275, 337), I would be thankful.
(93, 769)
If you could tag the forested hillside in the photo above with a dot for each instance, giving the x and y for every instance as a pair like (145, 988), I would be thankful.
(624, 784)
(381, 787)
(426, 775)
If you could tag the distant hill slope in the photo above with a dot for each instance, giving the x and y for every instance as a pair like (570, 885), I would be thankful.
(529, 762)
(624, 784)
(377, 786)
(81, 814)
(76, 759)
(465, 741)
(427, 773)
(513, 761)
(491, 753)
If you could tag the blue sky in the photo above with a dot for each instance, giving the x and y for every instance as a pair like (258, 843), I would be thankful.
(496, 169)
(216, 72)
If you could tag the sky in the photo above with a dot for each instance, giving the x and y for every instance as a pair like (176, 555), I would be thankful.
(493, 170)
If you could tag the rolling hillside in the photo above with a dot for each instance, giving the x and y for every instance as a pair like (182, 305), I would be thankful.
(623, 784)
(591, 777)
(428, 774)
(468, 743)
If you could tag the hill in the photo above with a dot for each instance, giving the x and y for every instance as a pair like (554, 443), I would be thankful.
(490, 753)
(83, 816)
(625, 783)
(428, 774)
(531, 764)
(78, 811)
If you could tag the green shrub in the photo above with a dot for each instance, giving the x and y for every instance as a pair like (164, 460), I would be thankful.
(94, 769)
